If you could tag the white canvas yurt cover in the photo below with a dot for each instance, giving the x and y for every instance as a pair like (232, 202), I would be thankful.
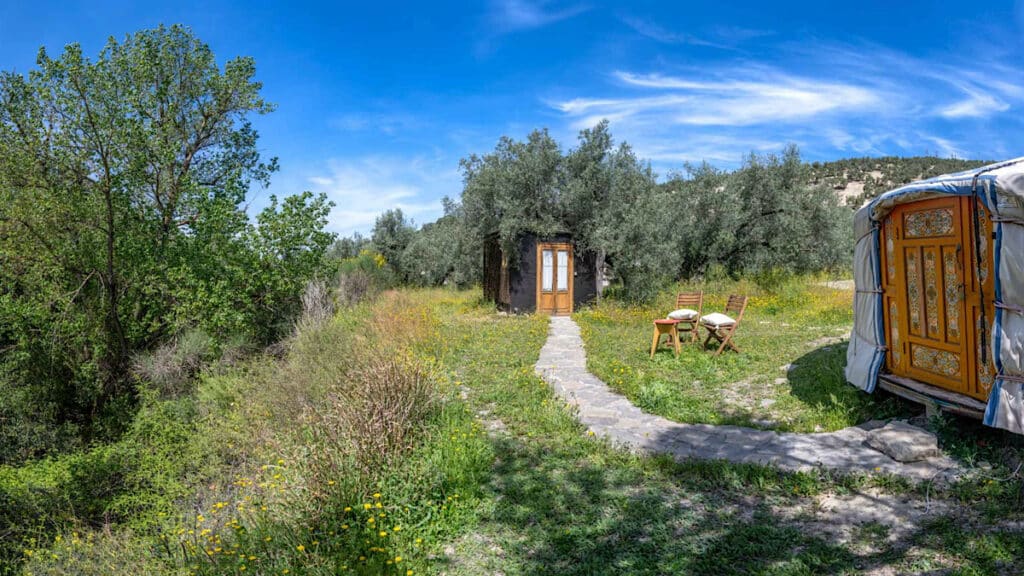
(1000, 188)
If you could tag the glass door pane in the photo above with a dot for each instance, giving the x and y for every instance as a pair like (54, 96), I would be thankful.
(547, 271)
(563, 271)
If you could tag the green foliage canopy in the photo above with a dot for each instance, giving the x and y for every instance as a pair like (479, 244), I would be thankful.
(122, 190)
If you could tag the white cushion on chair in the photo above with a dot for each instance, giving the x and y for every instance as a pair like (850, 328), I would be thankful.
(683, 314)
(716, 320)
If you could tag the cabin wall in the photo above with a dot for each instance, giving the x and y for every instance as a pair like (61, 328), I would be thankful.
(522, 281)
(585, 281)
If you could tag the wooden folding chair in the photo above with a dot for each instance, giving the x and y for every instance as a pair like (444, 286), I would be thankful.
(722, 326)
(689, 309)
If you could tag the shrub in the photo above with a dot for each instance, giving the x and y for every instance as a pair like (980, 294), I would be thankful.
(354, 287)
(172, 366)
(317, 305)
(377, 413)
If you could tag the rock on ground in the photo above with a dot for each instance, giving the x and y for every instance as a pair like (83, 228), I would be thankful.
(903, 442)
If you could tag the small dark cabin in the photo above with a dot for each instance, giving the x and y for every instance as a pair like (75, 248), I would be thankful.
(550, 275)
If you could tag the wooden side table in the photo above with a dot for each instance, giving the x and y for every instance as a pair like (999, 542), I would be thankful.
(662, 327)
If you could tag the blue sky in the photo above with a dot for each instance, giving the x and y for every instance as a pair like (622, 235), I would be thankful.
(377, 102)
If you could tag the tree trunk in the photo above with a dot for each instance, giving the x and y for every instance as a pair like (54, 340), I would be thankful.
(117, 351)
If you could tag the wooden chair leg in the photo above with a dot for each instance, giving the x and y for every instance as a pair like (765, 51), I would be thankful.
(710, 334)
(727, 341)
(654, 342)
(675, 340)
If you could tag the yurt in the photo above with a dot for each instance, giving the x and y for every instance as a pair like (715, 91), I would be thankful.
(939, 304)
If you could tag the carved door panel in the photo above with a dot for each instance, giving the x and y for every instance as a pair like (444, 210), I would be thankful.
(928, 280)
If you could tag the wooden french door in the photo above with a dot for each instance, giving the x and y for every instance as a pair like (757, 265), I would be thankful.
(554, 278)
(933, 294)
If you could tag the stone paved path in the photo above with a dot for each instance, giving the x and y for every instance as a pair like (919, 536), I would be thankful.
(563, 364)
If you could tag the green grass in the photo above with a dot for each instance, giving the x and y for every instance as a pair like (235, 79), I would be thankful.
(560, 502)
(500, 478)
(788, 377)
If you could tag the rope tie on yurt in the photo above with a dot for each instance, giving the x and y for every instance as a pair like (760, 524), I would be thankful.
(870, 291)
(1010, 378)
(977, 261)
(1007, 220)
(1010, 308)
(875, 226)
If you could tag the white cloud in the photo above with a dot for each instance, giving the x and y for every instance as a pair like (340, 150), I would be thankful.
(513, 15)
(388, 123)
(752, 97)
(363, 188)
(976, 105)
(656, 32)
(945, 147)
(825, 97)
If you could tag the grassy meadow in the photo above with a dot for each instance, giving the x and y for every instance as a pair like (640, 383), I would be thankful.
(410, 435)
(788, 377)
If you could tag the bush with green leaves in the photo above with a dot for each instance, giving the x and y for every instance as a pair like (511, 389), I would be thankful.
(123, 224)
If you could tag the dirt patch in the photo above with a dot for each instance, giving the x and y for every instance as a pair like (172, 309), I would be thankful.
(838, 284)
(868, 523)
(826, 341)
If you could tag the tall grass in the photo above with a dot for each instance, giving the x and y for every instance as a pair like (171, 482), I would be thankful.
(352, 454)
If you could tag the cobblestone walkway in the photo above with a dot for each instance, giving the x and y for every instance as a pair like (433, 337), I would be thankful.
(563, 364)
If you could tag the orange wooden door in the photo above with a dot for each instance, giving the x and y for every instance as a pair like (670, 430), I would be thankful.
(932, 294)
(554, 278)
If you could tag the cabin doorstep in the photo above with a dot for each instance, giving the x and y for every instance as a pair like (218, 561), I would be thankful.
(939, 303)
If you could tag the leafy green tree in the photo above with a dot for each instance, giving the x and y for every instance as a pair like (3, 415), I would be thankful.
(515, 189)
(348, 247)
(443, 252)
(122, 189)
(635, 229)
(392, 233)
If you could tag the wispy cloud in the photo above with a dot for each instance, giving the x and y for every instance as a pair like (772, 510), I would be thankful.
(385, 122)
(976, 105)
(749, 97)
(514, 15)
(364, 188)
(721, 37)
(655, 31)
(863, 99)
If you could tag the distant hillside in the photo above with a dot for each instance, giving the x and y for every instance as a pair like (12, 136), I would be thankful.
(860, 179)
